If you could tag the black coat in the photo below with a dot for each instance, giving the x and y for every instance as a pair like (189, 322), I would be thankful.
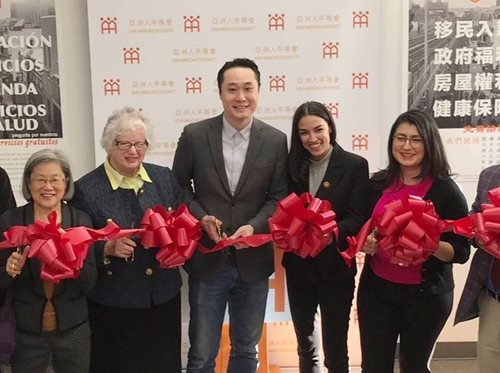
(69, 299)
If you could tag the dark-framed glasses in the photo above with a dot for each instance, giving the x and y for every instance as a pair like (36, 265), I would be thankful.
(415, 141)
(127, 145)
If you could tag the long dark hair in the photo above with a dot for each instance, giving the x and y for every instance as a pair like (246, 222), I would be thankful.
(298, 158)
(434, 163)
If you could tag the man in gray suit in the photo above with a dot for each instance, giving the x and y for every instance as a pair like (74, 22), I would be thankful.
(233, 170)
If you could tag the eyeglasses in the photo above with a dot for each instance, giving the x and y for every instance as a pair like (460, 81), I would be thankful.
(56, 181)
(127, 145)
(415, 141)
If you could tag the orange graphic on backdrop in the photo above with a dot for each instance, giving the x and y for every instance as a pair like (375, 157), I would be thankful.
(111, 87)
(359, 142)
(131, 55)
(333, 108)
(193, 85)
(330, 50)
(277, 83)
(191, 23)
(109, 25)
(360, 19)
(276, 22)
(359, 80)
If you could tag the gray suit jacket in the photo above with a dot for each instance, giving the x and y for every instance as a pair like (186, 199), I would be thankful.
(199, 168)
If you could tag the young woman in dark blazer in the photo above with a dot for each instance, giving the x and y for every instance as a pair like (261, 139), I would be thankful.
(317, 164)
(413, 302)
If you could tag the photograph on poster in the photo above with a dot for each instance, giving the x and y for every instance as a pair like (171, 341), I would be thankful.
(453, 62)
(30, 105)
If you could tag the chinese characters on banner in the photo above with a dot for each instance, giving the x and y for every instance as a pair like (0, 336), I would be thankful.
(454, 73)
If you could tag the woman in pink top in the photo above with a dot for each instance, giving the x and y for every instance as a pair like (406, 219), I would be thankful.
(413, 302)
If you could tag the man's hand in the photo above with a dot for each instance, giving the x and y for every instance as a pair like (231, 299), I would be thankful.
(243, 231)
(212, 226)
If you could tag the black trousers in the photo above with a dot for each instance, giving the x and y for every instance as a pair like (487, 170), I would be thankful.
(334, 299)
(126, 340)
(387, 310)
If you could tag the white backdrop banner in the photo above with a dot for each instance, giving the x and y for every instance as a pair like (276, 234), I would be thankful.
(163, 56)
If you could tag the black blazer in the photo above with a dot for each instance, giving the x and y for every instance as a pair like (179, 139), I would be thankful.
(69, 299)
(344, 185)
(199, 167)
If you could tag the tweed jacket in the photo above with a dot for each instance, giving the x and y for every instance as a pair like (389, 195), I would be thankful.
(199, 167)
(449, 203)
(69, 298)
(344, 185)
(140, 283)
(480, 266)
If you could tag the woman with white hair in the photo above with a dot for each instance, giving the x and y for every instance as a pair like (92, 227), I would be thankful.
(51, 319)
(135, 313)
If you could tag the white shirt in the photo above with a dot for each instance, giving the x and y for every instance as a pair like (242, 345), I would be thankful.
(234, 148)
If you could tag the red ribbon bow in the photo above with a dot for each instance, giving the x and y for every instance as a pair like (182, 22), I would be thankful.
(61, 252)
(175, 233)
(303, 225)
(409, 231)
(487, 224)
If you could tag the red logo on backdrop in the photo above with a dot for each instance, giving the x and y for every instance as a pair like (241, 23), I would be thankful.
(109, 25)
(191, 23)
(131, 55)
(475, 1)
(360, 19)
(330, 50)
(333, 108)
(111, 87)
(359, 80)
(359, 142)
(277, 83)
(276, 22)
(193, 85)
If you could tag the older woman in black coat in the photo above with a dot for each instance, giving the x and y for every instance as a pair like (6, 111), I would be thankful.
(52, 319)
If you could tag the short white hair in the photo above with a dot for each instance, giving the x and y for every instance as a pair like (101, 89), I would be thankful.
(123, 121)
